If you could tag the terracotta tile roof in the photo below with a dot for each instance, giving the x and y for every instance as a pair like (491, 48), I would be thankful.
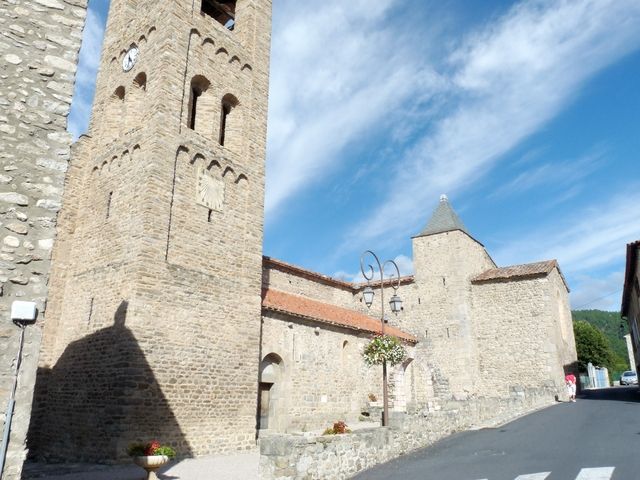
(302, 307)
(520, 271)
(630, 272)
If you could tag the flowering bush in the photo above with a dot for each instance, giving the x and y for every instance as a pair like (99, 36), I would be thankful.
(338, 428)
(384, 347)
(151, 448)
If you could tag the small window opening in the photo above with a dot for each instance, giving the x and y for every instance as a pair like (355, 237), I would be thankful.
(223, 11)
(209, 216)
(229, 102)
(195, 94)
(226, 110)
(199, 111)
(109, 204)
(448, 333)
(119, 93)
(141, 81)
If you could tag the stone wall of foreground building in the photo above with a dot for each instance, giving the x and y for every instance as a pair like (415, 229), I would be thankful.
(39, 44)
(337, 457)
(315, 375)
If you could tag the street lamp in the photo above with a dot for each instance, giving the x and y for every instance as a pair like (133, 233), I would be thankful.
(395, 303)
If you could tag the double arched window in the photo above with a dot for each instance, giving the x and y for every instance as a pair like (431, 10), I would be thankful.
(123, 110)
(203, 110)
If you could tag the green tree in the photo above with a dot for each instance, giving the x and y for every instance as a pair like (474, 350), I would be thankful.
(613, 328)
(592, 346)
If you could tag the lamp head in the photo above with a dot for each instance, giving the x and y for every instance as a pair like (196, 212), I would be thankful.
(367, 295)
(395, 303)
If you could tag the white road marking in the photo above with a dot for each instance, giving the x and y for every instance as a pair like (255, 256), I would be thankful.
(603, 473)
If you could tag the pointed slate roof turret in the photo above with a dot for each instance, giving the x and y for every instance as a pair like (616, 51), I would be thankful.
(444, 219)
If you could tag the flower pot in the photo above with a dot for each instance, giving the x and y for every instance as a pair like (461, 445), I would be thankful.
(151, 463)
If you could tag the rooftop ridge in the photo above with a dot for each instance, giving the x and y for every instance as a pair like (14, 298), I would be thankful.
(525, 270)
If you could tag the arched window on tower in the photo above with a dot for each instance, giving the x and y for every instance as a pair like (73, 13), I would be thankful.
(200, 106)
(223, 11)
(229, 124)
(114, 114)
(136, 101)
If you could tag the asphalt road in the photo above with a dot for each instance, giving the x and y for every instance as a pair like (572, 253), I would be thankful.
(596, 438)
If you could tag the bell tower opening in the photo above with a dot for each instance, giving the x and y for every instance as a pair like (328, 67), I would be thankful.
(227, 117)
(200, 110)
(223, 11)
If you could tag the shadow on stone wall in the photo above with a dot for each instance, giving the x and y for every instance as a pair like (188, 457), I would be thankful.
(100, 397)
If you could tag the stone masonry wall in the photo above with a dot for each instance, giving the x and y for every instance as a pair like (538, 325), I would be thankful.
(39, 43)
(156, 289)
(524, 333)
(506, 313)
(323, 377)
(561, 328)
(301, 285)
(442, 316)
(337, 457)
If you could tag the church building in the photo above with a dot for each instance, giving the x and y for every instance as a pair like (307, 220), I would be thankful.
(166, 321)
(472, 331)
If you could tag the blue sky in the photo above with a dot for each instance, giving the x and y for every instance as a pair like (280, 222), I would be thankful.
(527, 114)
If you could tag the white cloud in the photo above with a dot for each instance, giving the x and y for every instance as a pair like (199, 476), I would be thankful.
(603, 293)
(89, 62)
(561, 174)
(511, 78)
(588, 239)
(338, 71)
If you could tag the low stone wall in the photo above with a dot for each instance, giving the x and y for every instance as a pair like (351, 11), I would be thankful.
(337, 457)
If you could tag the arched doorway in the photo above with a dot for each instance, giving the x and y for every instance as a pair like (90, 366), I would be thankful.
(402, 382)
(269, 402)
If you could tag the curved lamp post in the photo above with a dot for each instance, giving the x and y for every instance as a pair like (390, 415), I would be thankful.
(395, 303)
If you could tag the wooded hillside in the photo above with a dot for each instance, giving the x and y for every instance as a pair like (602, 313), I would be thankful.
(609, 324)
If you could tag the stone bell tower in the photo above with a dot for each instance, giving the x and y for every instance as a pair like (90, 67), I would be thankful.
(153, 325)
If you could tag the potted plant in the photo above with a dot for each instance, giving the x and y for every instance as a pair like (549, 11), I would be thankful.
(151, 456)
(384, 348)
(338, 429)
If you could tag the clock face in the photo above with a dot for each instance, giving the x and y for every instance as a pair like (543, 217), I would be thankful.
(130, 59)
